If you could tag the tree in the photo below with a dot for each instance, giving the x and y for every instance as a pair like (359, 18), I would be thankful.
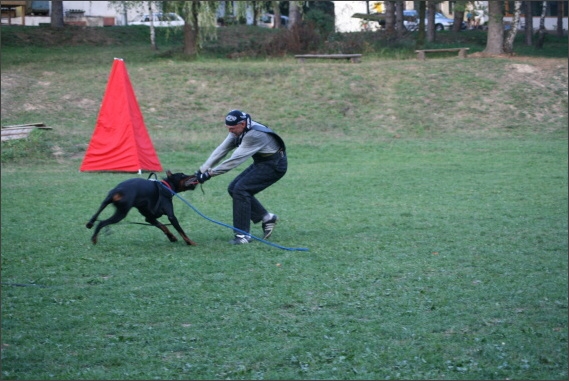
(293, 14)
(560, 18)
(199, 22)
(528, 23)
(399, 18)
(199, 19)
(422, 14)
(152, 28)
(125, 12)
(57, 14)
(277, 13)
(459, 8)
(509, 42)
(541, 31)
(258, 8)
(124, 6)
(320, 14)
(389, 17)
(432, 9)
(495, 38)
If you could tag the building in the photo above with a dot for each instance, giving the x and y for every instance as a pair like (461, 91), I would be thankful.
(87, 13)
(346, 9)
(102, 13)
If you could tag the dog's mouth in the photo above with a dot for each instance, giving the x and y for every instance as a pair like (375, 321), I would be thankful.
(190, 183)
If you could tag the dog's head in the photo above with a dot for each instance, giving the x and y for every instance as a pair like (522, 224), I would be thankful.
(181, 182)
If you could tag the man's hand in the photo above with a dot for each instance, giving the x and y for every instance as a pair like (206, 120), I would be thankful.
(202, 177)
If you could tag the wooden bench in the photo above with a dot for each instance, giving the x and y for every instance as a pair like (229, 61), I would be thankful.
(349, 57)
(421, 53)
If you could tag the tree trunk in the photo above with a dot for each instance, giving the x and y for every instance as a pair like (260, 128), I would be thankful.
(495, 39)
(191, 31)
(125, 13)
(389, 17)
(57, 14)
(421, 33)
(560, 18)
(509, 43)
(277, 13)
(399, 18)
(529, 24)
(432, 7)
(459, 10)
(293, 14)
(255, 13)
(458, 19)
(152, 29)
(541, 31)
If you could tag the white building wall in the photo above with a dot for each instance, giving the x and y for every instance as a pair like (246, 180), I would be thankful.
(344, 11)
(91, 8)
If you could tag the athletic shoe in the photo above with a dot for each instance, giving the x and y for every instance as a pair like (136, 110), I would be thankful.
(240, 239)
(269, 226)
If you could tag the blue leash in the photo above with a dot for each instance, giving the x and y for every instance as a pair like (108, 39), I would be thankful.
(231, 227)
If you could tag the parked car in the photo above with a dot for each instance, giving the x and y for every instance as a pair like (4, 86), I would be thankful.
(441, 21)
(267, 20)
(159, 20)
(409, 20)
(39, 8)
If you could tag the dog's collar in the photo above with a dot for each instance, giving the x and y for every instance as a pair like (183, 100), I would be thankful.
(166, 183)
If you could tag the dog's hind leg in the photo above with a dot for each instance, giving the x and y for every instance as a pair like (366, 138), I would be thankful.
(118, 216)
(122, 207)
(104, 204)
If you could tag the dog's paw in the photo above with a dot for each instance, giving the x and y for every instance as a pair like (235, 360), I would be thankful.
(89, 225)
(190, 242)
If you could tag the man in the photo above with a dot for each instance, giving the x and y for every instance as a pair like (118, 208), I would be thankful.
(249, 139)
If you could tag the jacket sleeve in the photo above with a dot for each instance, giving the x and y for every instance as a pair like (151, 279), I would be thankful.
(253, 142)
(219, 153)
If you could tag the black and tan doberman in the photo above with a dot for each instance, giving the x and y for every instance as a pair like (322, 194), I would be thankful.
(153, 199)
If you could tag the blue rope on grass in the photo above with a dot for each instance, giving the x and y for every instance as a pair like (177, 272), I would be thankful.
(231, 227)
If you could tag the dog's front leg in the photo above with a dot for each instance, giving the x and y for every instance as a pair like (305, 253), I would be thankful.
(176, 224)
(161, 226)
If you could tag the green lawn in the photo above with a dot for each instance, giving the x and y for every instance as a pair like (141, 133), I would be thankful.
(432, 197)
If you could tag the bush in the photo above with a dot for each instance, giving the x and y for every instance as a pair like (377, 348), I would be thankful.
(303, 38)
(321, 21)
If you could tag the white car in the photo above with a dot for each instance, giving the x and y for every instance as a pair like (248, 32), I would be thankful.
(159, 20)
(441, 22)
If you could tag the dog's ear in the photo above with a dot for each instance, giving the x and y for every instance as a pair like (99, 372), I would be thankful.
(168, 173)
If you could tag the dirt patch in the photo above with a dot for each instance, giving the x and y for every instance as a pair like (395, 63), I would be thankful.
(543, 63)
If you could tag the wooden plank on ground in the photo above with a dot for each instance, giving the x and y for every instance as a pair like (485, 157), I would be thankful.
(20, 131)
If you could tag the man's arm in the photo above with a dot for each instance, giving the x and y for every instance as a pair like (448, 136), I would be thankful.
(253, 142)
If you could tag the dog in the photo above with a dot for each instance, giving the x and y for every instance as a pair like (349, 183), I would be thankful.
(152, 198)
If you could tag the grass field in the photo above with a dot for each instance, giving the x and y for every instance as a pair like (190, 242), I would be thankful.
(432, 197)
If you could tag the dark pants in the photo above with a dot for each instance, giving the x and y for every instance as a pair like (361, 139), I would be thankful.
(263, 173)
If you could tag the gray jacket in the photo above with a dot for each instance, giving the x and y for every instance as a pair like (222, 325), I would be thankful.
(252, 142)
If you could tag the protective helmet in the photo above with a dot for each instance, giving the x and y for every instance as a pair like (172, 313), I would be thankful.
(234, 117)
